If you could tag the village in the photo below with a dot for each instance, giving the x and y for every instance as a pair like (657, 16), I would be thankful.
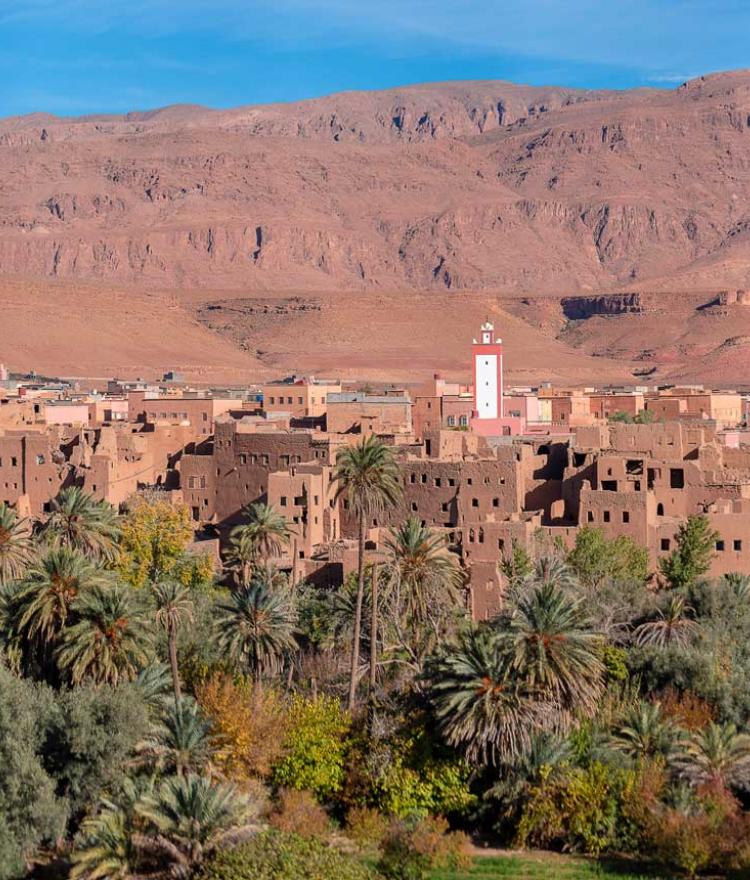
(486, 465)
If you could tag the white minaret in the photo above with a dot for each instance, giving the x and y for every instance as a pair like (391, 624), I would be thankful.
(487, 354)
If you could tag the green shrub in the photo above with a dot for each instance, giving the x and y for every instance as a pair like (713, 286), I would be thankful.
(366, 827)
(407, 775)
(314, 747)
(31, 812)
(578, 809)
(272, 855)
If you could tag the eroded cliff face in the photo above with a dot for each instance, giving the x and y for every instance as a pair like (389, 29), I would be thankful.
(466, 186)
(580, 308)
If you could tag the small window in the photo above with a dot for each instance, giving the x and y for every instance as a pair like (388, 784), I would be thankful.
(282, 501)
(451, 481)
(40, 459)
(737, 545)
(444, 507)
(475, 502)
(414, 506)
(660, 509)
(609, 485)
(676, 478)
(665, 542)
(590, 516)
(412, 478)
(720, 546)
(424, 478)
(496, 502)
(626, 516)
(606, 516)
(438, 482)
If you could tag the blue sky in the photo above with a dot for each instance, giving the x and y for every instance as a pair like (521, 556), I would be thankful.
(85, 56)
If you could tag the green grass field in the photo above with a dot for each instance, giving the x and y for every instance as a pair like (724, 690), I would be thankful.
(543, 867)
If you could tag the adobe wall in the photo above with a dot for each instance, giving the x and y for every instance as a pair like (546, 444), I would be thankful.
(369, 417)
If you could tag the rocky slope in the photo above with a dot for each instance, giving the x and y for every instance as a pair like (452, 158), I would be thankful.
(483, 187)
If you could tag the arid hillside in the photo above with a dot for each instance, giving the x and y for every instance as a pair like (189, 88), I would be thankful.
(295, 235)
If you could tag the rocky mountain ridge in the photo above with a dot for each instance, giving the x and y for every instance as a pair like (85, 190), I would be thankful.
(479, 188)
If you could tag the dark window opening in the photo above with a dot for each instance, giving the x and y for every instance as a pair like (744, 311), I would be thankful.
(606, 516)
(665, 543)
(609, 485)
(676, 478)
(626, 516)
(737, 545)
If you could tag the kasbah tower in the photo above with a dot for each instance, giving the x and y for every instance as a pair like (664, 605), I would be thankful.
(488, 417)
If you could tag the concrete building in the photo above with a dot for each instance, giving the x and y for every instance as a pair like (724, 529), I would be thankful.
(301, 398)
(355, 412)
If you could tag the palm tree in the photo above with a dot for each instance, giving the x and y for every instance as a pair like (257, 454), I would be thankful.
(672, 626)
(256, 626)
(546, 755)
(367, 477)
(479, 705)
(739, 584)
(645, 733)
(174, 607)
(181, 743)
(16, 547)
(422, 570)
(192, 817)
(552, 570)
(50, 589)
(80, 522)
(718, 754)
(154, 683)
(107, 846)
(554, 650)
(110, 642)
(263, 536)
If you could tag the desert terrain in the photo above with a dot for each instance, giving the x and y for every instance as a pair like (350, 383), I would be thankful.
(366, 235)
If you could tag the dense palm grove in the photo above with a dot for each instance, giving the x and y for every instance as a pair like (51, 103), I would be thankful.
(161, 718)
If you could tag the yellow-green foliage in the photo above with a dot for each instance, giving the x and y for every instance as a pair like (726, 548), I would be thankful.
(615, 662)
(155, 534)
(435, 787)
(578, 808)
(195, 571)
(314, 745)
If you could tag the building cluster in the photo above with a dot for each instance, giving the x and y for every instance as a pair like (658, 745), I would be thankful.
(485, 465)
